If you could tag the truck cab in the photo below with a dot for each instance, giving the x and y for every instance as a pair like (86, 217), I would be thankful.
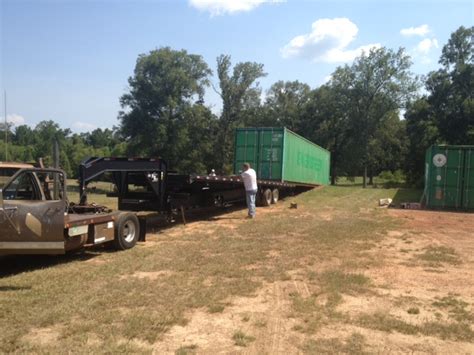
(32, 208)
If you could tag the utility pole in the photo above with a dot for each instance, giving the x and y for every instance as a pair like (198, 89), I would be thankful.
(56, 154)
(6, 128)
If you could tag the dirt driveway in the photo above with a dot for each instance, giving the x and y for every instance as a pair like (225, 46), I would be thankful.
(422, 277)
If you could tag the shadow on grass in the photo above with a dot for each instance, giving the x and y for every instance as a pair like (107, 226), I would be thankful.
(407, 195)
(14, 288)
(349, 184)
(16, 264)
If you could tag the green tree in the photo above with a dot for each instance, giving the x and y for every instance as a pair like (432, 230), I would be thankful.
(239, 93)
(100, 138)
(285, 105)
(199, 140)
(422, 132)
(23, 135)
(388, 147)
(376, 84)
(166, 84)
(45, 134)
(326, 122)
(451, 89)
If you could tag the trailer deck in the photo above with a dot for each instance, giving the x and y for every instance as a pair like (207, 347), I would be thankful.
(146, 184)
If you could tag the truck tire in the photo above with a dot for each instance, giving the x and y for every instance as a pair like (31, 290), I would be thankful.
(127, 231)
(275, 196)
(267, 197)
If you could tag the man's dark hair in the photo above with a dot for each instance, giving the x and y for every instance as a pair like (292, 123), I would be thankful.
(246, 165)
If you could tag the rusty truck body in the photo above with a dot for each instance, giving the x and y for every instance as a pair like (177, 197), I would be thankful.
(37, 218)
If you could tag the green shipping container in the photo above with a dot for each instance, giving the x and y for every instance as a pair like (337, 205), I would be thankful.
(449, 177)
(280, 154)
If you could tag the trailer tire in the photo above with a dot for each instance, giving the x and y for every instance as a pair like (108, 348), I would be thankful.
(266, 197)
(275, 196)
(127, 231)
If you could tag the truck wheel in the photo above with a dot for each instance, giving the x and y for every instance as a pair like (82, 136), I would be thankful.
(267, 198)
(275, 195)
(127, 231)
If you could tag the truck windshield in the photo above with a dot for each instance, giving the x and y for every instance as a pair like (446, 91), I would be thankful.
(5, 174)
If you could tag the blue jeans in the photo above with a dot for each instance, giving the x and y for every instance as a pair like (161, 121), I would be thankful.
(250, 197)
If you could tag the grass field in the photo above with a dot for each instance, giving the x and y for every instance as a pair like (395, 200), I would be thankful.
(96, 192)
(336, 275)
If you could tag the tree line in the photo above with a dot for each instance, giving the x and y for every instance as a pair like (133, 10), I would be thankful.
(373, 115)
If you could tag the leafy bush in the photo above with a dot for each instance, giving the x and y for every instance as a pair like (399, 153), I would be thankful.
(389, 179)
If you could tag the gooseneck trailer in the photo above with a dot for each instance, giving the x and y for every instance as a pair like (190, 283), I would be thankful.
(145, 184)
(37, 218)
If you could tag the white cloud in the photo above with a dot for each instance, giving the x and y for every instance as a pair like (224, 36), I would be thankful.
(422, 30)
(327, 42)
(221, 7)
(401, 114)
(425, 46)
(423, 50)
(83, 126)
(14, 119)
(327, 79)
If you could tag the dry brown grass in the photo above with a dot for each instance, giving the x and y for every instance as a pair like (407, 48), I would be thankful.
(281, 282)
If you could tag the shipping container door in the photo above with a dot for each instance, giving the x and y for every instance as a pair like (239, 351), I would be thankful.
(270, 154)
(468, 189)
(246, 149)
(445, 177)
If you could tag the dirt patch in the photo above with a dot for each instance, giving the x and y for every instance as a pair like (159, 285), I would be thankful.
(326, 216)
(264, 317)
(395, 343)
(96, 261)
(394, 233)
(43, 336)
(425, 230)
(149, 275)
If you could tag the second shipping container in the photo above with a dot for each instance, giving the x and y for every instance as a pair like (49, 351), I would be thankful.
(449, 177)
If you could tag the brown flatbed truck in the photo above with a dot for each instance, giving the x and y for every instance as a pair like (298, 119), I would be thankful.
(37, 218)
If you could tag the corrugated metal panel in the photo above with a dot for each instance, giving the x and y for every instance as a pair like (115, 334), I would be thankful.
(305, 161)
(246, 148)
(270, 157)
(279, 154)
(468, 196)
(448, 177)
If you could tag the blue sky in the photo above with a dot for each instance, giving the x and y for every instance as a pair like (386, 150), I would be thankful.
(69, 61)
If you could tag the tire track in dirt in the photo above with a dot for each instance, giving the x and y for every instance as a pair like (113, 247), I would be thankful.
(275, 319)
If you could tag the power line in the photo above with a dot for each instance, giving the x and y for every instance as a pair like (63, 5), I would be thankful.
(6, 128)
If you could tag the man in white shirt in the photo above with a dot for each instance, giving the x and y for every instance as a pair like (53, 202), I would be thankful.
(249, 176)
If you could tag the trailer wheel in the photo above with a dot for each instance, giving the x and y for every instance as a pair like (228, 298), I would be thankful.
(266, 198)
(127, 231)
(275, 195)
